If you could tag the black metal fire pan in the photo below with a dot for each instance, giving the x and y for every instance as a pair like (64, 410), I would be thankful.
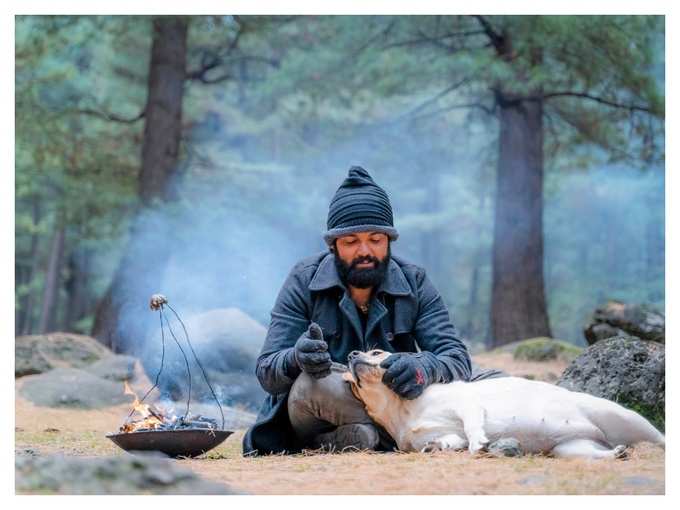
(174, 443)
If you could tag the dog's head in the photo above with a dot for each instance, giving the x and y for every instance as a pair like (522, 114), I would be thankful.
(365, 377)
(364, 369)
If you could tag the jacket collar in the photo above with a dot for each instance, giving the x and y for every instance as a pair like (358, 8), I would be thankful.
(326, 276)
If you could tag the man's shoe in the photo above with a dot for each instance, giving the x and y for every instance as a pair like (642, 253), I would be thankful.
(355, 436)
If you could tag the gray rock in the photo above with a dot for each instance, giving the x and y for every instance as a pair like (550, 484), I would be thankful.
(71, 387)
(626, 370)
(35, 354)
(505, 447)
(125, 474)
(114, 368)
(619, 319)
(227, 342)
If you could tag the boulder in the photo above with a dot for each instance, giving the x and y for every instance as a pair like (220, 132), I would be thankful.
(115, 368)
(619, 319)
(35, 354)
(626, 370)
(126, 474)
(72, 387)
(545, 349)
(226, 341)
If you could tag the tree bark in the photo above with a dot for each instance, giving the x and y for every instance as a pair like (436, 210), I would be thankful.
(119, 321)
(77, 289)
(25, 325)
(518, 304)
(52, 281)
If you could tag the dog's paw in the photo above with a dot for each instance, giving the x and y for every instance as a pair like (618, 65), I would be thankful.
(621, 452)
(431, 447)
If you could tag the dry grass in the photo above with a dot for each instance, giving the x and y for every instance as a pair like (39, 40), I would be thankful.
(80, 432)
(548, 371)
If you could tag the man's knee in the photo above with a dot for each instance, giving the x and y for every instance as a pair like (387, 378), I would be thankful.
(302, 395)
(328, 399)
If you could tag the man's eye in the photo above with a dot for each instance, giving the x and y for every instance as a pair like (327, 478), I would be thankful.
(351, 241)
(376, 240)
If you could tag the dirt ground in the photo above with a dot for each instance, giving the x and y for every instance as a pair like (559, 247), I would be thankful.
(82, 433)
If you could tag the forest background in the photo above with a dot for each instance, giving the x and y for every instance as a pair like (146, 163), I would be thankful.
(196, 156)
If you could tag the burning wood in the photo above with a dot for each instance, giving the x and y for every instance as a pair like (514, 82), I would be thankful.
(153, 418)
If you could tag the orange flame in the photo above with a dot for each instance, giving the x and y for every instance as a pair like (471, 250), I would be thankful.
(151, 418)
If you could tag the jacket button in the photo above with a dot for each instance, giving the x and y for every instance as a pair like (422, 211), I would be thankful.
(389, 337)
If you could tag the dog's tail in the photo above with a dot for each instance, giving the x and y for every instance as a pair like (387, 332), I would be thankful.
(621, 425)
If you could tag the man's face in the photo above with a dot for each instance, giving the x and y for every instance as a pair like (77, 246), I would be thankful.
(361, 259)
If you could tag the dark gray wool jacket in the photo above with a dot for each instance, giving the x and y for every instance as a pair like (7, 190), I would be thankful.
(405, 310)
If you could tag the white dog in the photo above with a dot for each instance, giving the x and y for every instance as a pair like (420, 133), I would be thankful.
(544, 418)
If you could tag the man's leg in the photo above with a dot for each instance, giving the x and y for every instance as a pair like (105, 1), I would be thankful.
(325, 413)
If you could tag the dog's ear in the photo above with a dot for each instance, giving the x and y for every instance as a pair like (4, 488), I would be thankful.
(347, 376)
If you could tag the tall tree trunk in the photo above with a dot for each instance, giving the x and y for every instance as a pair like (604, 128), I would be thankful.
(78, 305)
(26, 325)
(119, 320)
(518, 305)
(20, 279)
(52, 282)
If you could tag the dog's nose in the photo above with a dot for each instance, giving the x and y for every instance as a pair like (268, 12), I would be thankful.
(353, 355)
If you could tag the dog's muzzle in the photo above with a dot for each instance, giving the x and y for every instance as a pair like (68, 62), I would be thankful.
(354, 359)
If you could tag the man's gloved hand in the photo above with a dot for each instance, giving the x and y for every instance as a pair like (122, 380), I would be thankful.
(408, 373)
(311, 353)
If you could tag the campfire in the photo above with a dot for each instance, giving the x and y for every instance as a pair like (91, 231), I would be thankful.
(157, 430)
(152, 418)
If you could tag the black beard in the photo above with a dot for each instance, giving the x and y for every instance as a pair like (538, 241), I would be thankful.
(362, 278)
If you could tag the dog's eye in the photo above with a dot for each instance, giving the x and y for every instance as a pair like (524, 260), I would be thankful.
(375, 353)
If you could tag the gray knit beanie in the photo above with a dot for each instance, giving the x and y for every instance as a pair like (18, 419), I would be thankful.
(359, 205)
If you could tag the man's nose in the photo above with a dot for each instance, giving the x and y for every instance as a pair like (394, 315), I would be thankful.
(364, 249)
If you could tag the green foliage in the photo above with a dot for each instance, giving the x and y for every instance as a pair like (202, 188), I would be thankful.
(72, 170)
(304, 97)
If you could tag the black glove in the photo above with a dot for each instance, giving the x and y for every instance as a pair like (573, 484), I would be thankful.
(311, 353)
(408, 373)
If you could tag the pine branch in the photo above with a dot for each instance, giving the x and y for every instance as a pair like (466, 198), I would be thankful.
(601, 100)
(436, 98)
(497, 40)
(108, 116)
(424, 38)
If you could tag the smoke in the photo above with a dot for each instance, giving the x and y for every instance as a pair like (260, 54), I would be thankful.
(253, 203)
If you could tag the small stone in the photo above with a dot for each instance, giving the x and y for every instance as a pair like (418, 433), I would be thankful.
(505, 447)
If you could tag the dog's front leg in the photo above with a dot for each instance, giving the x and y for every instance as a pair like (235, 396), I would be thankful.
(446, 442)
(474, 417)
